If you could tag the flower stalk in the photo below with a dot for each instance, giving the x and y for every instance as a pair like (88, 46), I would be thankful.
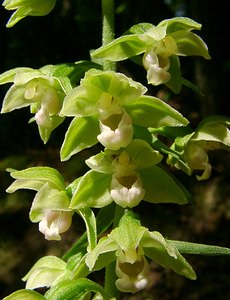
(108, 31)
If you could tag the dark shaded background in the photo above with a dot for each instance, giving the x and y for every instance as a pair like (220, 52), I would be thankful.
(66, 35)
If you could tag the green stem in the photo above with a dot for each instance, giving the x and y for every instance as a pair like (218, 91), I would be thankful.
(108, 31)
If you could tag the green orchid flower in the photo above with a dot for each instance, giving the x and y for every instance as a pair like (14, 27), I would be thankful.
(161, 46)
(212, 134)
(41, 90)
(131, 245)
(50, 206)
(126, 176)
(27, 8)
(106, 106)
(103, 94)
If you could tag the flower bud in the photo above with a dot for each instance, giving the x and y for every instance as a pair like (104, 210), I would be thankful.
(55, 222)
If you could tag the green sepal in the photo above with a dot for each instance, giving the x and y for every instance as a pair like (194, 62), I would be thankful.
(82, 133)
(150, 111)
(162, 252)
(92, 191)
(160, 187)
(25, 295)
(199, 249)
(46, 272)
(74, 289)
(35, 177)
(213, 130)
(179, 23)
(27, 8)
(188, 43)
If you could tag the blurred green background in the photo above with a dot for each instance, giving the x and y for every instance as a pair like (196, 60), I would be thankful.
(67, 34)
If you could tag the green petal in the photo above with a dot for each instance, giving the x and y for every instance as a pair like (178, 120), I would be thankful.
(142, 154)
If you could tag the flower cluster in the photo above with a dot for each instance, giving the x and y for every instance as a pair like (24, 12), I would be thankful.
(39, 90)
(161, 46)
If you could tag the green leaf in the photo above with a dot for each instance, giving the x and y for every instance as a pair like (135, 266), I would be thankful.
(74, 289)
(82, 133)
(92, 191)
(25, 295)
(199, 249)
(150, 111)
(123, 47)
(91, 226)
(160, 187)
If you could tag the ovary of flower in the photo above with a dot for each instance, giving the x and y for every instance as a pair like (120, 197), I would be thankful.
(197, 159)
(157, 68)
(55, 222)
(116, 131)
(126, 189)
(132, 277)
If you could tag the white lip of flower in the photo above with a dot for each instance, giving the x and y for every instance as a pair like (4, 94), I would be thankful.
(132, 277)
(116, 131)
(55, 222)
(126, 189)
(157, 68)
